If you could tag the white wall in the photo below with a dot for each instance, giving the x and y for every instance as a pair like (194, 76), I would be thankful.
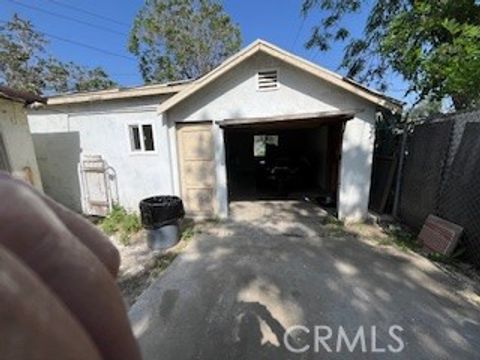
(18, 142)
(63, 133)
(356, 167)
(234, 95)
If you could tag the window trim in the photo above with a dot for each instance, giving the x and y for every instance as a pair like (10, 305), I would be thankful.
(140, 125)
(257, 80)
(265, 143)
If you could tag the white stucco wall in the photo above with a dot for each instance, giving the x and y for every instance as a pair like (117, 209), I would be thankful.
(18, 142)
(235, 95)
(63, 133)
(356, 167)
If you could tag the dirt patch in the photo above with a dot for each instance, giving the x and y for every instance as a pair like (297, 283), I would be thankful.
(140, 266)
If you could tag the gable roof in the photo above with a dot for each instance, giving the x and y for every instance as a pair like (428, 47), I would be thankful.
(19, 96)
(298, 62)
(119, 93)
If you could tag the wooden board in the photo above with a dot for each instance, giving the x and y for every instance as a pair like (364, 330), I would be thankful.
(439, 235)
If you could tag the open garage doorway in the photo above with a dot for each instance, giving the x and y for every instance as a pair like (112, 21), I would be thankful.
(288, 160)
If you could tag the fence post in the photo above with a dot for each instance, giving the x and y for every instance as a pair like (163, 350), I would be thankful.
(403, 145)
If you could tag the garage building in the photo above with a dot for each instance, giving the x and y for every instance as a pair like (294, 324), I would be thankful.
(265, 124)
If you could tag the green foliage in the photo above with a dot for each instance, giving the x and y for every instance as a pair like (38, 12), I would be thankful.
(333, 226)
(26, 65)
(401, 238)
(182, 39)
(434, 45)
(395, 235)
(452, 259)
(161, 263)
(120, 222)
(187, 233)
(437, 257)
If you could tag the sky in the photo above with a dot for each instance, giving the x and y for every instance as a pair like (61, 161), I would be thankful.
(94, 32)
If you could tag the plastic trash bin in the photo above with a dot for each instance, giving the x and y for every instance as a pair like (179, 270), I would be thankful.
(160, 216)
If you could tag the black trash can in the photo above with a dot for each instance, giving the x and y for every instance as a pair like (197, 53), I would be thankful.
(160, 216)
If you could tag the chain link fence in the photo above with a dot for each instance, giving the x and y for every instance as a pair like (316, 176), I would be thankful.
(441, 176)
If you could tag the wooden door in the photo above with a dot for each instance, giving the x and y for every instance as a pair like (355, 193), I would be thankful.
(197, 168)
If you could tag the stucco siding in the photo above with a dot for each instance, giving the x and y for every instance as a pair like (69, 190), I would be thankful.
(63, 134)
(18, 142)
(235, 95)
(356, 167)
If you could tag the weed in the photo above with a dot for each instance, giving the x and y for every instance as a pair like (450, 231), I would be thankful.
(119, 221)
(335, 230)
(333, 226)
(401, 238)
(452, 259)
(437, 257)
(130, 224)
(331, 220)
(386, 241)
(161, 263)
(108, 226)
(188, 233)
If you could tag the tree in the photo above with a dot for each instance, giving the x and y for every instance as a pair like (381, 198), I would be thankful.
(64, 77)
(433, 44)
(25, 64)
(424, 109)
(182, 39)
(21, 52)
(86, 79)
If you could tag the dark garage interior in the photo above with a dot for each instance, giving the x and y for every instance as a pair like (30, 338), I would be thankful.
(287, 162)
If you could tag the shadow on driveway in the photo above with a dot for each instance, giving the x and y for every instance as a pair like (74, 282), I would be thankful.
(241, 283)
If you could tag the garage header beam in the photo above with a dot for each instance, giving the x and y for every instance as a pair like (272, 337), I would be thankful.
(290, 121)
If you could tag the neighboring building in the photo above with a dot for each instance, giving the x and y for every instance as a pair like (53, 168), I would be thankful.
(265, 124)
(17, 155)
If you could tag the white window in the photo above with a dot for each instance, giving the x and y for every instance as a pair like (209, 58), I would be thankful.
(260, 143)
(267, 80)
(141, 137)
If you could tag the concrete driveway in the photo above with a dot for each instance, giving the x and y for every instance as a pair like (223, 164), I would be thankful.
(240, 285)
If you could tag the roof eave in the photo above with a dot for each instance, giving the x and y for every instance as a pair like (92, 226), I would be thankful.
(291, 59)
(117, 94)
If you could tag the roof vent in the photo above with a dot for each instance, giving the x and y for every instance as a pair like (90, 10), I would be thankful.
(267, 80)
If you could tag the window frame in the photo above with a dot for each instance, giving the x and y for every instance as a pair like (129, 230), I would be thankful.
(265, 143)
(142, 150)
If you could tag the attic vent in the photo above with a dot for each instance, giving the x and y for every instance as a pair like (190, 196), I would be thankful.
(267, 80)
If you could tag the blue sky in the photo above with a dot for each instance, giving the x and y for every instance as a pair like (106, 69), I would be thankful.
(277, 21)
